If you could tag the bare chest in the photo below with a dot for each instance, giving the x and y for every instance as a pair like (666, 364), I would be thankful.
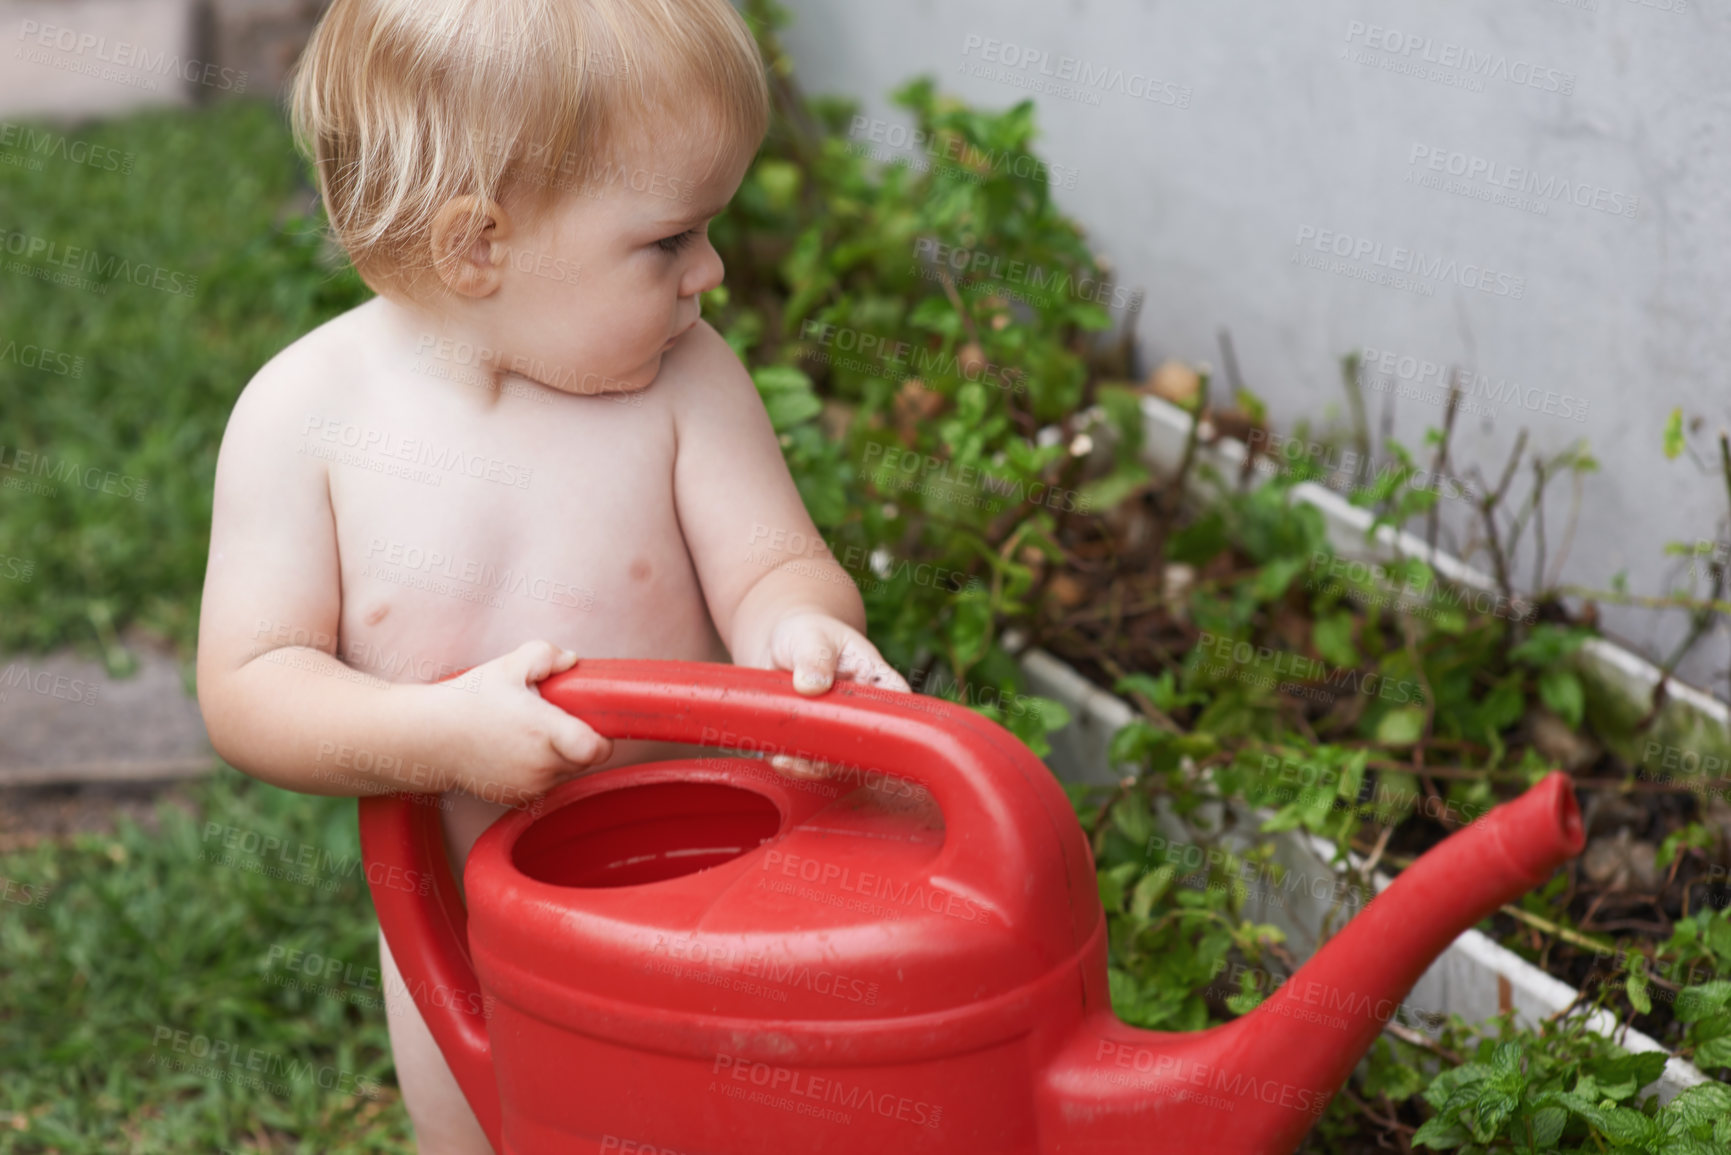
(462, 533)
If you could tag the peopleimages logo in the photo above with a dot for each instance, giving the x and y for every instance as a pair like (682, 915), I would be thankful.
(125, 54)
(367, 441)
(900, 894)
(234, 1062)
(734, 960)
(1264, 664)
(799, 1091)
(1424, 379)
(109, 266)
(1411, 48)
(37, 143)
(1043, 283)
(43, 358)
(47, 684)
(1165, 1068)
(1348, 471)
(1416, 593)
(963, 156)
(1367, 259)
(32, 464)
(390, 560)
(1071, 77)
(878, 353)
(1514, 185)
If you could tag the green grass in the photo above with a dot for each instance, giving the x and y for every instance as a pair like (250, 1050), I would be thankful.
(139, 936)
(213, 193)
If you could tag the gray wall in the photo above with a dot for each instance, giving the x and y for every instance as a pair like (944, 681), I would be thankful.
(1274, 121)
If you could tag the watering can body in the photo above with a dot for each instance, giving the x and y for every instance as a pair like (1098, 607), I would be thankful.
(708, 958)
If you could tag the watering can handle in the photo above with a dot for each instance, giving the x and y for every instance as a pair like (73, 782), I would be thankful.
(991, 788)
(427, 926)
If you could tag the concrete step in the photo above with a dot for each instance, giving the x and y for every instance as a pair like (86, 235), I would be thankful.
(63, 719)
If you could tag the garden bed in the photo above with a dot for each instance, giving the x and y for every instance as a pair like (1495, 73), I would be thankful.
(1477, 978)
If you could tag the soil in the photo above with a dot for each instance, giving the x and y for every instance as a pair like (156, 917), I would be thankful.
(1391, 1129)
(30, 815)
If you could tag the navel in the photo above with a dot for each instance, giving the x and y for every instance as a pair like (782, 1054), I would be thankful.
(377, 614)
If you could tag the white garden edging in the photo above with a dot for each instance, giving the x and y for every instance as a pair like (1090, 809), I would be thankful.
(1475, 978)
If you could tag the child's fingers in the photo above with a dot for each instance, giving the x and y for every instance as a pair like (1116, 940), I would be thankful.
(814, 659)
(576, 741)
(860, 662)
(889, 678)
(539, 660)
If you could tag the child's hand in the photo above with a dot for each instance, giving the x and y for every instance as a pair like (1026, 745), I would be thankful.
(512, 737)
(819, 649)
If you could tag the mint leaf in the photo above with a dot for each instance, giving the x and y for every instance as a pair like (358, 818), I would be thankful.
(1548, 1126)
(1695, 1003)
(1401, 727)
(1443, 1134)
(1561, 690)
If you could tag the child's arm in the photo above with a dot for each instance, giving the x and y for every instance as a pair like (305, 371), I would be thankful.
(778, 599)
(278, 703)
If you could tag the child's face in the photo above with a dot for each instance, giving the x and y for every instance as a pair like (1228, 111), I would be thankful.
(594, 293)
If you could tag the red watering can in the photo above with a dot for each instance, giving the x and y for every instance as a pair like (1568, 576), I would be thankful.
(702, 957)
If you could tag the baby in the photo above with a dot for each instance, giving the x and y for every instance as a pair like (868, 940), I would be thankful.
(527, 447)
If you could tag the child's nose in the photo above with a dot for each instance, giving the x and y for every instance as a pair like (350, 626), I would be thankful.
(705, 272)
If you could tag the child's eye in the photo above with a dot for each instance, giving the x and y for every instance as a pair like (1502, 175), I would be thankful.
(676, 242)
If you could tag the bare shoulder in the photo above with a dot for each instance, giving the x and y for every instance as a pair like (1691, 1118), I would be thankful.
(702, 373)
(317, 367)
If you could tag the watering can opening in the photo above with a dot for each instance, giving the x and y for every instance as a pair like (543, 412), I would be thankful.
(647, 833)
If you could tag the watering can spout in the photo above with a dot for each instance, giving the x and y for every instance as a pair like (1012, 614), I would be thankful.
(1257, 1084)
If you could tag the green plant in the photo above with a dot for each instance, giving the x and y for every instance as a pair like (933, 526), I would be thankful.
(1567, 1089)
(1700, 944)
(942, 468)
(1174, 913)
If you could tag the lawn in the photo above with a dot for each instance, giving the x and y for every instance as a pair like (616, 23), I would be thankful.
(206, 265)
(210, 985)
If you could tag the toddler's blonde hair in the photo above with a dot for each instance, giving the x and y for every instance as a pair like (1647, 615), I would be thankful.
(405, 104)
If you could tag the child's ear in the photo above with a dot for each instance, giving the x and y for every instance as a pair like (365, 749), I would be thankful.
(468, 262)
